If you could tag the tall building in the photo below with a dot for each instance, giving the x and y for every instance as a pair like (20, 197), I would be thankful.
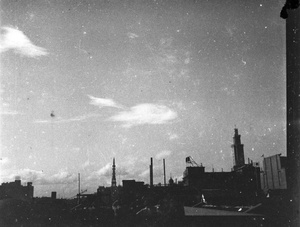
(238, 150)
(113, 179)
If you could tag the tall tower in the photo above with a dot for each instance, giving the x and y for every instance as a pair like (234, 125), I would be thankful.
(238, 150)
(113, 179)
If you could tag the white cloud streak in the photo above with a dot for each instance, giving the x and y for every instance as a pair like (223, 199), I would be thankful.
(16, 40)
(9, 112)
(101, 102)
(74, 119)
(146, 113)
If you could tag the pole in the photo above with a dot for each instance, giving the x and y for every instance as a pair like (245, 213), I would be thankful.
(164, 172)
(78, 197)
(151, 173)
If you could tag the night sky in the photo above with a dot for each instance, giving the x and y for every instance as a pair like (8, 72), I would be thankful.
(85, 81)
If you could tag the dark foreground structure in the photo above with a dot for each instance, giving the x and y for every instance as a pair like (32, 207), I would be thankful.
(16, 190)
(232, 198)
(292, 16)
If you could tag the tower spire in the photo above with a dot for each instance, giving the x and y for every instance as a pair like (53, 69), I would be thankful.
(238, 150)
(113, 179)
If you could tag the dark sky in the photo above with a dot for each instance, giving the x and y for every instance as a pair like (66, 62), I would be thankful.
(85, 81)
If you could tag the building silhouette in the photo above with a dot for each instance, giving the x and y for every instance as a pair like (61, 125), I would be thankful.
(238, 150)
(243, 180)
(16, 190)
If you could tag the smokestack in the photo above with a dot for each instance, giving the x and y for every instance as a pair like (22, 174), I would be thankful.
(164, 172)
(78, 183)
(151, 173)
(78, 199)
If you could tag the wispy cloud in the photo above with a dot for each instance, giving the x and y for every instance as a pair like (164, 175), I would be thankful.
(16, 40)
(86, 164)
(40, 178)
(61, 120)
(146, 113)
(105, 171)
(9, 112)
(24, 174)
(163, 154)
(101, 102)
(62, 177)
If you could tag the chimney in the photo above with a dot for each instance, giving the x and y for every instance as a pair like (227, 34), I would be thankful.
(151, 173)
(53, 195)
(18, 180)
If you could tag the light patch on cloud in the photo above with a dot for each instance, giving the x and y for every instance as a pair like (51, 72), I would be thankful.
(4, 161)
(101, 102)
(5, 110)
(145, 113)
(187, 59)
(166, 42)
(132, 35)
(86, 164)
(157, 173)
(169, 59)
(16, 40)
(145, 173)
(122, 171)
(163, 154)
(173, 136)
(105, 171)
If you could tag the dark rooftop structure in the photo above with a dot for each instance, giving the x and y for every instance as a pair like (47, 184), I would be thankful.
(16, 190)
